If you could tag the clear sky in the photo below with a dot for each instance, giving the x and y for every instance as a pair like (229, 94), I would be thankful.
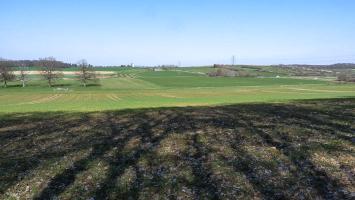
(193, 32)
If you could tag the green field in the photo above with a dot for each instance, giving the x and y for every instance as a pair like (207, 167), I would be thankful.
(142, 88)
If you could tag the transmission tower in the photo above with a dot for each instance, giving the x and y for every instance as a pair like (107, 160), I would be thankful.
(233, 60)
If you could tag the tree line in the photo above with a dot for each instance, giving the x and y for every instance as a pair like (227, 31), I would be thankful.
(36, 63)
(50, 71)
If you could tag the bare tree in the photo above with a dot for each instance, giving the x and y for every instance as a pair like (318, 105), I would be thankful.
(86, 73)
(23, 74)
(50, 70)
(6, 74)
(342, 77)
(346, 76)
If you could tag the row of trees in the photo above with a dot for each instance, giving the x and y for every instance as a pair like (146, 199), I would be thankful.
(36, 63)
(229, 72)
(51, 71)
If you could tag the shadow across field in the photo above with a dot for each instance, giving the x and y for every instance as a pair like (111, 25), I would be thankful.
(303, 149)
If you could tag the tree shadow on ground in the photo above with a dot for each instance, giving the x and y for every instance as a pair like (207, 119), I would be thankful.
(271, 151)
(93, 85)
(61, 85)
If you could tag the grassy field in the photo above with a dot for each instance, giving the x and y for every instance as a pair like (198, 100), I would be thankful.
(142, 88)
(140, 134)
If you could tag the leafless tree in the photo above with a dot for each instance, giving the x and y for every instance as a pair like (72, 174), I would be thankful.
(50, 70)
(23, 74)
(342, 77)
(6, 74)
(346, 76)
(86, 73)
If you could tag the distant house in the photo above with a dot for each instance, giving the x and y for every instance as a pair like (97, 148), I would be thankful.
(157, 69)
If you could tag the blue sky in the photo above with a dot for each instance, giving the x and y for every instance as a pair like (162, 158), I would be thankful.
(193, 32)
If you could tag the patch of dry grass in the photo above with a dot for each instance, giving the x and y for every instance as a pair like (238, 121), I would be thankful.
(300, 150)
